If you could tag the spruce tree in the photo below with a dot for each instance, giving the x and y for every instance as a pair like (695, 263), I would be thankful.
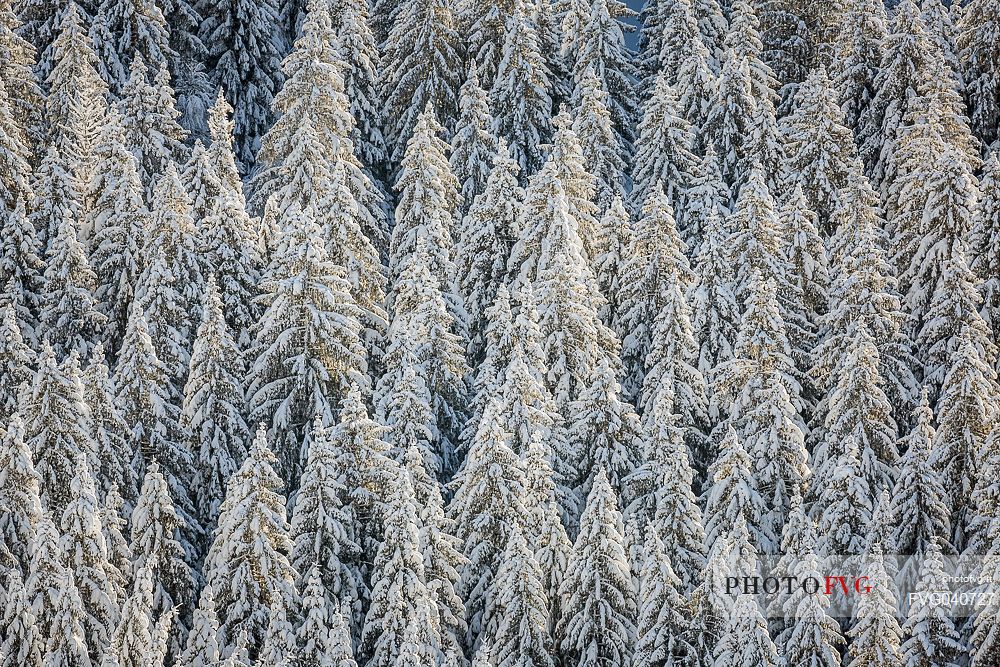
(57, 427)
(940, 22)
(45, 573)
(696, 89)
(931, 208)
(525, 401)
(110, 431)
(547, 17)
(214, 407)
(401, 607)
(930, 632)
(599, 46)
(158, 295)
(16, 361)
(767, 146)
(520, 635)
(977, 44)
(474, 149)
(27, 101)
(56, 195)
(661, 627)
(727, 125)
(229, 247)
(194, 87)
(69, 315)
(520, 96)
(744, 638)
(498, 344)
(422, 55)
(669, 354)
(863, 290)
(75, 105)
(918, 514)
(844, 506)
(314, 127)
(614, 238)
(663, 157)
(279, 639)
(954, 308)
(202, 182)
(360, 59)
(765, 415)
(602, 156)
(203, 648)
(598, 592)
(124, 29)
(655, 274)
(428, 203)
(982, 240)
(21, 268)
(487, 234)
(483, 24)
(859, 60)
(580, 185)
(490, 492)
(606, 432)
(809, 273)
(114, 526)
(403, 404)
(158, 543)
(221, 154)
(734, 497)
(984, 527)
(323, 525)
(323, 637)
(247, 565)
(19, 496)
(443, 558)
(536, 218)
(84, 554)
(171, 231)
(761, 349)
(670, 31)
(307, 345)
(821, 148)
(552, 547)
(141, 382)
(422, 320)
(243, 54)
(23, 644)
(662, 488)
(364, 463)
(875, 634)
(966, 408)
(715, 311)
(756, 243)
(903, 71)
(149, 120)
(133, 637)
(118, 218)
(15, 152)
(810, 637)
(858, 405)
(574, 339)
(743, 37)
(67, 644)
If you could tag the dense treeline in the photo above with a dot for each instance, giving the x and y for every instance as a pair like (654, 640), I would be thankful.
(437, 333)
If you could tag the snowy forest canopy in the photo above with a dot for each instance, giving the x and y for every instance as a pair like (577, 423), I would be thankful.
(458, 333)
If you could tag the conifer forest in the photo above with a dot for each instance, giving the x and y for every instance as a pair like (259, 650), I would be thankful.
(499, 333)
